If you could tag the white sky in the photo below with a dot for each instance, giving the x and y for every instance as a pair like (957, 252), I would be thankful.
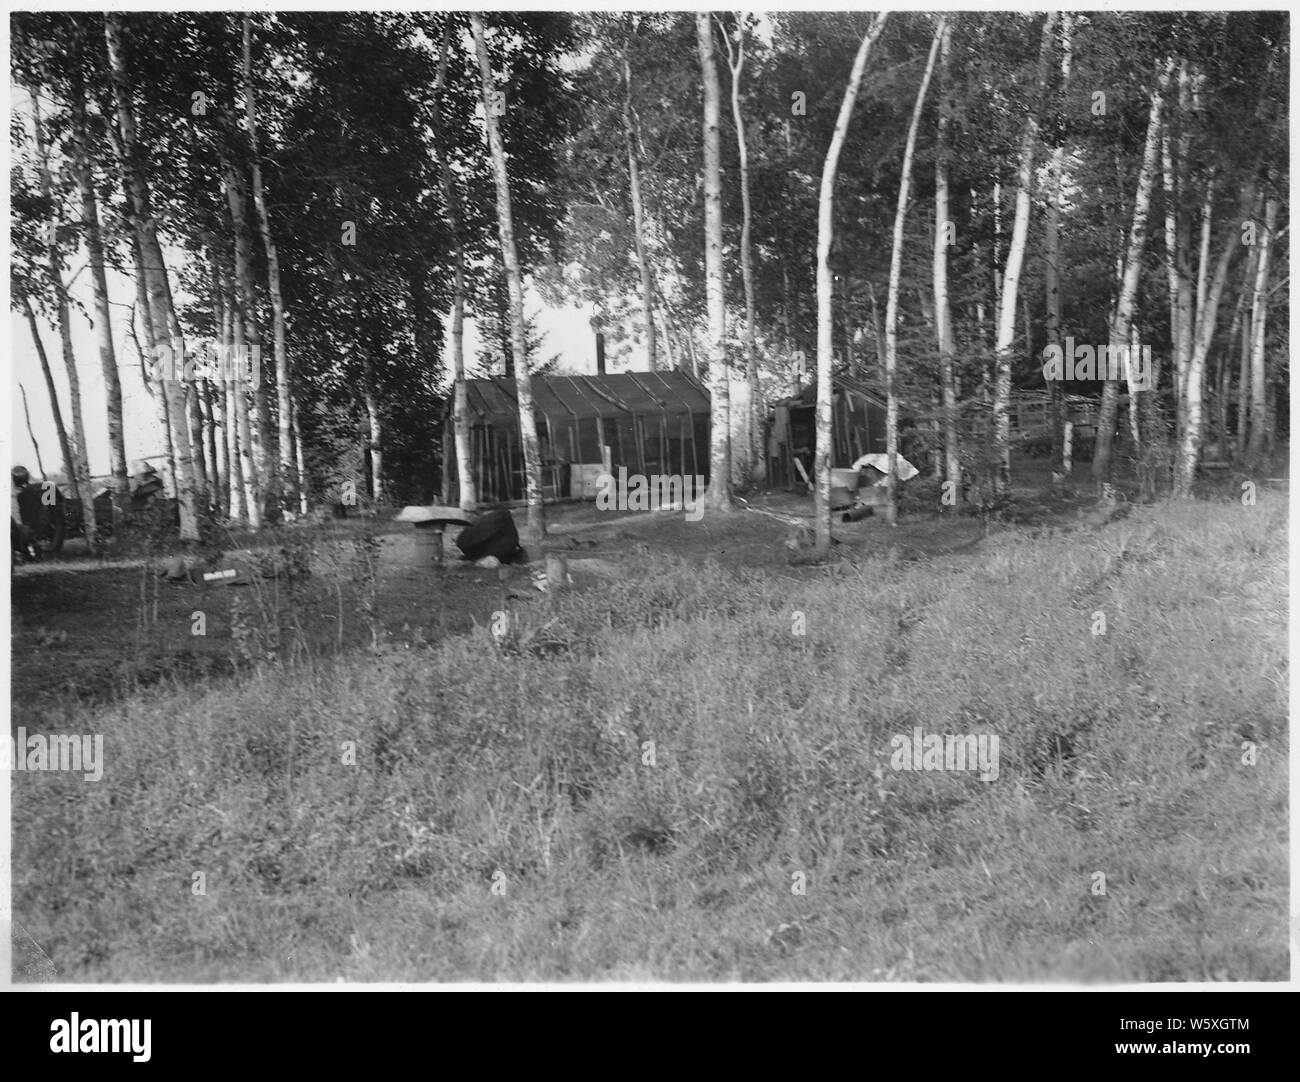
(566, 331)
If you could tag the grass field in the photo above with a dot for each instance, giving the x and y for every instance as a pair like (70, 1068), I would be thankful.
(686, 775)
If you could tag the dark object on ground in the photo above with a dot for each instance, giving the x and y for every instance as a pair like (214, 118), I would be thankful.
(340, 510)
(43, 509)
(492, 534)
(858, 511)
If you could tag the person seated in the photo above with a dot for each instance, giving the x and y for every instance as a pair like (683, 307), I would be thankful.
(41, 510)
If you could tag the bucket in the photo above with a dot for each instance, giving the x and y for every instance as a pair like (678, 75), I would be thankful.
(428, 543)
(845, 479)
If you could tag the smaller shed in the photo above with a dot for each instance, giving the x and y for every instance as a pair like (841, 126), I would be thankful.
(857, 429)
(649, 422)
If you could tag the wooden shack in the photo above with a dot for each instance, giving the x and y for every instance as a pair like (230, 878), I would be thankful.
(857, 428)
(649, 422)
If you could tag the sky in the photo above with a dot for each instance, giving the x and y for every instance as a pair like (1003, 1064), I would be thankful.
(566, 331)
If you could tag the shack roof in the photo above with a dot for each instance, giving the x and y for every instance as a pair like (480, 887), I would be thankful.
(494, 401)
(840, 384)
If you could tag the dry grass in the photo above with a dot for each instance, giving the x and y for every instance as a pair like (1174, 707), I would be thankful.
(523, 761)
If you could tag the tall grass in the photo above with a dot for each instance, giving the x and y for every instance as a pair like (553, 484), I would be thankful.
(662, 780)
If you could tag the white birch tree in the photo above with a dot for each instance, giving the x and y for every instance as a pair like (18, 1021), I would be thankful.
(826, 285)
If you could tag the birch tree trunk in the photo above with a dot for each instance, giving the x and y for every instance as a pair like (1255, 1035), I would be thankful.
(237, 504)
(451, 196)
(150, 350)
(214, 403)
(1061, 457)
(746, 413)
(250, 497)
(826, 285)
(1007, 298)
(194, 421)
(279, 477)
(638, 221)
(1223, 370)
(236, 508)
(895, 274)
(299, 456)
(718, 497)
(79, 475)
(260, 478)
(162, 314)
(210, 436)
(103, 322)
(1258, 333)
(1203, 262)
(1122, 319)
(514, 283)
(27, 416)
(65, 444)
(1189, 446)
(1243, 374)
(942, 304)
(1180, 316)
(1189, 303)
(215, 393)
(1052, 287)
(374, 432)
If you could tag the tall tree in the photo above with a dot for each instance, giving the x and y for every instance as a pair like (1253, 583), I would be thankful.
(79, 477)
(236, 500)
(250, 501)
(60, 428)
(718, 497)
(245, 294)
(27, 416)
(746, 450)
(451, 200)
(1061, 442)
(158, 289)
(374, 428)
(895, 274)
(943, 231)
(1119, 338)
(1189, 439)
(1258, 328)
(826, 285)
(83, 170)
(281, 473)
(1006, 325)
(514, 284)
(1243, 375)
(148, 354)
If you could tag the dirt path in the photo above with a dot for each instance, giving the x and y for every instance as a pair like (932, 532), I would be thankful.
(91, 631)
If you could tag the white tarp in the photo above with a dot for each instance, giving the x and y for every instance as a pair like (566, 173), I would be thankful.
(904, 469)
(434, 512)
